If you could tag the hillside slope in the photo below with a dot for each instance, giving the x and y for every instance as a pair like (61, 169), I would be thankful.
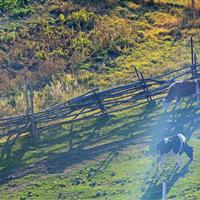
(104, 159)
(99, 43)
(68, 47)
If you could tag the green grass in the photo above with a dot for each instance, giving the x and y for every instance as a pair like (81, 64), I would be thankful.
(104, 159)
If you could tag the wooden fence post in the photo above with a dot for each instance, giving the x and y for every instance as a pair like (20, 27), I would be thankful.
(192, 50)
(101, 106)
(195, 64)
(144, 85)
(32, 112)
(137, 73)
(192, 56)
(26, 94)
(145, 88)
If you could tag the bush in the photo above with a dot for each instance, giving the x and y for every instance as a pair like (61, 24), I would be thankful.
(8, 37)
(22, 12)
(82, 19)
(16, 5)
(81, 41)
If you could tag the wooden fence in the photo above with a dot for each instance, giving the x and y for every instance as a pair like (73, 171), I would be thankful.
(93, 103)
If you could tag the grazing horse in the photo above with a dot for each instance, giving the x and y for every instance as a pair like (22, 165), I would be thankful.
(177, 144)
(181, 89)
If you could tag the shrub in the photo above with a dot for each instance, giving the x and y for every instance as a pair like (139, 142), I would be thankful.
(81, 19)
(62, 17)
(50, 66)
(81, 41)
(133, 6)
(22, 12)
(116, 34)
(62, 7)
(58, 52)
(60, 89)
(8, 37)
(41, 54)
(162, 19)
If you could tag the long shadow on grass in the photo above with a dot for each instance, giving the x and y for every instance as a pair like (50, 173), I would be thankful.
(125, 128)
(95, 143)
(95, 138)
(154, 191)
(79, 144)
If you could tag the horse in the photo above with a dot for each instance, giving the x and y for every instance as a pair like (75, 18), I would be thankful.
(177, 144)
(181, 89)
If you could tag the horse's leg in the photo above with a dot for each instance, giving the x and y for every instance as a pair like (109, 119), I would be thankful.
(197, 92)
(178, 103)
(162, 161)
(189, 101)
(176, 106)
(178, 161)
(198, 99)
(158, 159)
(165, 105)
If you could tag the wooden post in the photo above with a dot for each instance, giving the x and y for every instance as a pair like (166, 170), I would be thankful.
(164, 190)
(101, 106)
(137, 73)
(195, 64)
(192, 56)
(32, 112)
(145, 88)
(144, 85)
(26, 94)
(192, 50)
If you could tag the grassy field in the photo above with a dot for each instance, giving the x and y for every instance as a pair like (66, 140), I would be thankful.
(104, 158)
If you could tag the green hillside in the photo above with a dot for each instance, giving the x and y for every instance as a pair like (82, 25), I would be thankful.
(69, 47)
(97, 42)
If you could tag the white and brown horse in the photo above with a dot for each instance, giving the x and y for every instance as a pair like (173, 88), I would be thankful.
(176, 144)
(181, 89)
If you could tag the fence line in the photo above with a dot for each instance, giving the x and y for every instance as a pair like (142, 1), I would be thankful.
(94, 102)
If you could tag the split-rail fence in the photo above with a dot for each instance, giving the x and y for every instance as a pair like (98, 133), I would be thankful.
(93, 103)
